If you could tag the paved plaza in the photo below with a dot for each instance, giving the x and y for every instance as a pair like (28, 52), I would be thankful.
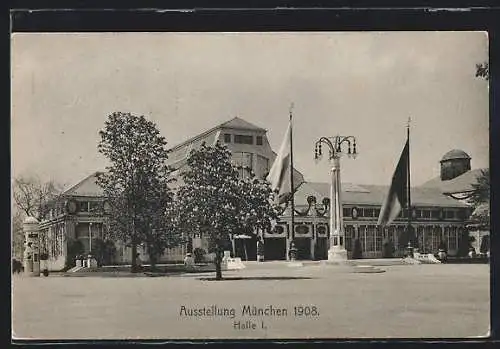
(312, 301)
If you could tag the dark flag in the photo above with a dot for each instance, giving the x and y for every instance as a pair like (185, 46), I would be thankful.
(397, 197)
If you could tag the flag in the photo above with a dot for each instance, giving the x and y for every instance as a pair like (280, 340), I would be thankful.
(397, 197)
(279, 175)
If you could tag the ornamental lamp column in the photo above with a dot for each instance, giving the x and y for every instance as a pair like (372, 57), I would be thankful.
(337, 251)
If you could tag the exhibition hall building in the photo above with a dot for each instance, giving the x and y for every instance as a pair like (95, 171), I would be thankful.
(439, 211)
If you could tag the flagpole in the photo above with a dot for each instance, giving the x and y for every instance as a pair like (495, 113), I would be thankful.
(408, 194)
(292, 235)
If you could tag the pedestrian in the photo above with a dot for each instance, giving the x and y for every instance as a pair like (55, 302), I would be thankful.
(188, 261)
(17, 266)
(442, 255)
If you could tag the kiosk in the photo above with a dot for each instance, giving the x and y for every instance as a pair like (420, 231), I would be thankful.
(31, 258)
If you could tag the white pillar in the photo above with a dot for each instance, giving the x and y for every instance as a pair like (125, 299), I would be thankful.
(337, 251)
(90, 237)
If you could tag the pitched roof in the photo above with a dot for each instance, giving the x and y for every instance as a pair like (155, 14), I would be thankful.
(178, 155)
(179, 152)
(353, 194)
(460, 184)
(86, 187)
(240, 124)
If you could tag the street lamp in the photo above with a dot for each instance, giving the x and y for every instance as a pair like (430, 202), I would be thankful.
(336, 146)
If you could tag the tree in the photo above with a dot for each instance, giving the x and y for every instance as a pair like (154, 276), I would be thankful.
(481, 189)
(32, 196)
(217, 203)
(135, 184)
(483, 70)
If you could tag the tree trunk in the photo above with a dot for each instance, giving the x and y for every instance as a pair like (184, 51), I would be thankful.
(152, 259)
(133, 267)
(218, 261)
(218, 267)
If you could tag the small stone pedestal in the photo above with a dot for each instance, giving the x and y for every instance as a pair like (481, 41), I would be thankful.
(337, 255)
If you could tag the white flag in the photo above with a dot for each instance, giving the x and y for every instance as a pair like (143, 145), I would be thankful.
(279, 175)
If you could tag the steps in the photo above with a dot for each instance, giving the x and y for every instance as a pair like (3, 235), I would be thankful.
(75, 269)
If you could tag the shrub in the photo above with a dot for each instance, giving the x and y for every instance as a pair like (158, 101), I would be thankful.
(199, 255)
(104, 251)
(75, 248)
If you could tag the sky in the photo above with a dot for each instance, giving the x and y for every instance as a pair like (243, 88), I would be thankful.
(364, 84)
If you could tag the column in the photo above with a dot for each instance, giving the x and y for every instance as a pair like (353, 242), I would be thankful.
(364, 235)
(90, 237)
(337, 251)
(423, 240)
(313, 240)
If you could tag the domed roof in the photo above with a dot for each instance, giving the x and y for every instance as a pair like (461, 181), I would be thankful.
(455, 154)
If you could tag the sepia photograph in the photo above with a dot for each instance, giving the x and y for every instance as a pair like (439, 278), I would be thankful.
(250, 185)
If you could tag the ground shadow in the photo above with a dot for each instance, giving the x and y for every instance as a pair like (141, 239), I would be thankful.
(257, 278)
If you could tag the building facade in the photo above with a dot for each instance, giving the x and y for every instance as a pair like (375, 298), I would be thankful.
(438, 218)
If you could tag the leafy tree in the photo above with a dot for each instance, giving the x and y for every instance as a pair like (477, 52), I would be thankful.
(135, 184)
(481, 189)
(104, 251)
(480, 199)
(217, 203)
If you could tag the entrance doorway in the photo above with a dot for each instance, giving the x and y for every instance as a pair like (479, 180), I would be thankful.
(303, 248)
(246, 249)
(274, 249)
(321, 249)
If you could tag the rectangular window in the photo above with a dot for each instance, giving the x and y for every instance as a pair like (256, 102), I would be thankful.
(368, 212)
(378, 240)
(94, 206)
(241, 139)
(227, 138)
(259, 140)
(346, 212)
(377, 213)
(370, 239)
(84, 206)
(449, 214)
(82, 230)
(349, 237)
(262, 165)
(426, 214)
(435, 214)
(461, 214)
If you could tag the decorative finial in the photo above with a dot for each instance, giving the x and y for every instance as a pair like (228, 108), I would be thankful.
(409, 121)
(291, 108)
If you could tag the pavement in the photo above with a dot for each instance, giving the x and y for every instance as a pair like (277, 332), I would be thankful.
(309, 301)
